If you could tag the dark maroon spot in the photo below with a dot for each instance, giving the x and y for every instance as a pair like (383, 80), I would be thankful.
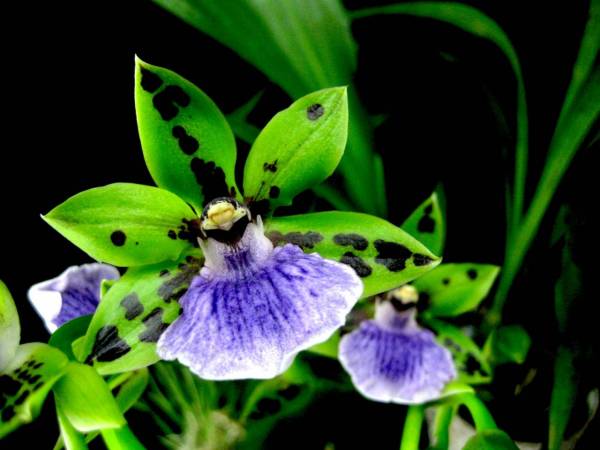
(306, 240)
(266, 407)
(133, 306)
(37, 365)
(392, 255)
(172, 234)
(188, 144)
(189, 230)
(34, 379)
(8, 385)
(154, 326)
(232, 191)
(313, 112)
(210, 178)
(421, 260)
(8, 413)
(163, 273)
(22, 397)
(270, 167)
(108, 346)
(260, 207)
(118, 238)
(357, 241)
(446, 281)
(37, 386)
(290, 392)
(175, 287)
(274, 192)
(150, 81)
(426, 225)
(472, 274)
(361, 268)
(167, 101)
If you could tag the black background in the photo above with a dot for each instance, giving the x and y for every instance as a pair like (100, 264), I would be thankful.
(69, 125)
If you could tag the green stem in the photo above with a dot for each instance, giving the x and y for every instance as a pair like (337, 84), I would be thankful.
(479, 412)
(411, 435)
(443, 419)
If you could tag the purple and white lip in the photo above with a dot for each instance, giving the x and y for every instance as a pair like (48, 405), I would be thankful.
(392, 359)
(74, 293)
(253, 307)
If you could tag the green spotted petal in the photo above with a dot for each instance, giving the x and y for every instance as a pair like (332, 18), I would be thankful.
(132, 315)
(300, 147)
(471, 363)
(85, 400)
(10, 329)
(426, 223)
(188, 146)
(383, 255)
(25, 383)
(453, 289)
(126, 224)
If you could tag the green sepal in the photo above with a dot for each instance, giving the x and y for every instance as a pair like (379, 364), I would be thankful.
(507, 344)
(383, 255)
(453, 289)
(64, 336)
(490, 440)
(84, 398)
(135, 311)
(328, 348)
(426, 223)
(130, 391)
(71, 438)
(188, 146)
(10, 327)
(25, 383)
(299, 148)
(121, 439)
(471, 364)
(126, 224)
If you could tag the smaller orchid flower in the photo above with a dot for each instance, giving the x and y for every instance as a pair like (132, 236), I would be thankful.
(74, 293)
(393, 359)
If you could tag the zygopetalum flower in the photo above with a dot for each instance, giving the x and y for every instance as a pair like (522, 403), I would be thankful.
(257, 293)
(74, 293)
(392, 359)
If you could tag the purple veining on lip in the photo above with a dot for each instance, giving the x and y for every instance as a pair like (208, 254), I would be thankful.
(74, 293)
(393, 359)
(253, 308)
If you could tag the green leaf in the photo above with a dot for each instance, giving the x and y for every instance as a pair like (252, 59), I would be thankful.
(507, 344)
(453, 289)
(426, 224)
(25, 383)
(490, 440)
(383, 255)
(125, 224)
(564, 394)
(300, 147)
(10, 328)
(188, 146)
(470, 361)
(63, 338)
(135, 311)
(84, 398)
(130, 391)
(121, 439)
(72, 439)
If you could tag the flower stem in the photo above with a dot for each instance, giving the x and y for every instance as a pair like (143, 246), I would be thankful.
(411, 435)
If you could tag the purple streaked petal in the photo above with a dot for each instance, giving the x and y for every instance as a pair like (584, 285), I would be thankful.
(392, 359)
(74, 293)
(253, 308)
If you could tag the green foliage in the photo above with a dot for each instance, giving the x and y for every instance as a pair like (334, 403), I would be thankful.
(63, 337)
(85, 400)
(10, 328)
(507, 344)
(124, 224)
(25, 383)
(300, 147)
(130, 318)
(188, 145)
(490, 440)
(426, 223)
(453, 289)
(383, 255)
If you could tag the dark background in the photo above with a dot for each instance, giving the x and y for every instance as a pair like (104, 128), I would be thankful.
(67, 94)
